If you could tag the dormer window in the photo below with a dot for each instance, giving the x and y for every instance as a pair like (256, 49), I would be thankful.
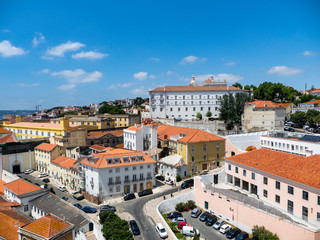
(125, 159)
(265, 105)
(109, 160)
(116, 160)
(133, 158)
(140, 158)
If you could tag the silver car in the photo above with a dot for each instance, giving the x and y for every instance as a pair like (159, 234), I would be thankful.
(196, 212)
(218, 224)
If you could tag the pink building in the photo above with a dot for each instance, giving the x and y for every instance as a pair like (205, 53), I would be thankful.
(280, 191)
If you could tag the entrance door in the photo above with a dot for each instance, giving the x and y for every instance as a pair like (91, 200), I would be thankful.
(218, 163)
(16, 168)
(134, 187)
(149, 185)
(141, 187)
(215, 179)
(204, 166)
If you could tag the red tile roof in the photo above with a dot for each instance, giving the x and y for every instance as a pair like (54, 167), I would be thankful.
(47, 226)
(191, 135)
(96, 134)
(2, 131)
(100, 159)
(10, 220)
(47, 147)
(98, 147)
(9, 138)
(20, 186)
(117, 133)
(135, 128)
(263, 104)
(313, 102)
(1, 187)
(195, 89)
(305, 170)
(64, 162)
(284, 105)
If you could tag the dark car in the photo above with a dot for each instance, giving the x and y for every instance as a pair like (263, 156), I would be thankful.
(88, 209)
(134, 227)
(211, 220)
(129, 197)
(46, 180)
(37, 184)
(242, 236)
(145, 192)
(174, 215)
(161, 178)
(204, 216)
(64, 198)
(107, 208)
(233, 232)
(187, 183)
(77, 205)
(211, 119)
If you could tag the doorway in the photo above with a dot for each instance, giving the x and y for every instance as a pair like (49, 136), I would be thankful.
(215, 179)
(141, 187)
(134, 187)
(16, 168)
(204, 166)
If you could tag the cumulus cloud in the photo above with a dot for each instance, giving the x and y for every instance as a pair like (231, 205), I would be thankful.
(308, 53)
(91, 55)
(140, 75)
(284, 71)
(155, 59)
(8, 50)
(220, 76)
(120, 85)
(28, 84)
(38, 39)
(60, 50)
(152, 76)
(192, 60)
(66, 87)
(230, 63)
(78, 76)
(170, 73)
(46, 70)
(5, 30)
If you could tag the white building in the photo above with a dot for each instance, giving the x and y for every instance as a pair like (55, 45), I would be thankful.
(304, 107)
(172, 166)
(185, 101)
(140, 138)
(116, 171)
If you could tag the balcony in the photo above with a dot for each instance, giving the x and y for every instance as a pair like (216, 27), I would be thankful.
(149, 177)
(127, 181)
(110, 183)
(135, 180)
(117, 182)
(142, 179)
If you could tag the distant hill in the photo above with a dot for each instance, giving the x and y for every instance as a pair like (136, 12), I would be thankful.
(16, 112)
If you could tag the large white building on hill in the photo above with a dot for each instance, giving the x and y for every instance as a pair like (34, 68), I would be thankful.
(185, 102)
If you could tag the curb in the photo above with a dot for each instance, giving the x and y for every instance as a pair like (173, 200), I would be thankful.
(165, 223)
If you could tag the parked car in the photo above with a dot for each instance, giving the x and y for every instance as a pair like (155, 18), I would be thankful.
(129, 196)
(44, 186)
(41, 175)
(107, 208)
(145, 192)
(211, 220)
(187, 183)
(62, 188)
(225, 228)
(196, 212)
(174, 215)
(190, 231)
(182, 224)
(28, 171)
(161, 230)
(134, 227)
(37, 184)
(64, 198)
(77, 205)
(233, 233)
(290, 129)
(161, 178)
(169, 182)
(46, 180)
(218, 224)
(211, 119)
(204, 216)
(78, 195)
(242, 236)
(306, 127)
(178, 220)
(88, 209)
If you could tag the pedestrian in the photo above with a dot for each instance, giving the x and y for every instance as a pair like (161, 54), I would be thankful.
(164, 197)
(172, 195)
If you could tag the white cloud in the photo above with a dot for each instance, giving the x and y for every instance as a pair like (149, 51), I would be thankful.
(92, 55)
(152, 76)
(139, 91)
(220, 76)
(140, 75)
(46, 70)
(78, 76)
(155, 59)
(60, 50)
(284, 71)
(119, 85)
(308, 53)
(170, 73)
(66, 87)
(8, 50)
(6, 30)
(230, 63)
(28, 84)
(192, 60)
(113, 86)
(37, 39)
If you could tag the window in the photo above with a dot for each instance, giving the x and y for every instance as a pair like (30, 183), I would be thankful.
(181, 147)
(26, 208)
(118, 189)
(265, 180)
(141, 167)
(117, 170)
(192, 149)
(304, 213)
(236, 170)
(204, 147)
(318, 216)
(244, 172)
(204, 157)
(305, 195)
(290, 206)
(126, 169)
(277, 199)
(218, 146)
(229, 167)
(192, 158)
(265, 193)
(194, 109)
(178, 109)
(253, 176)
(290, 190)
(218, 155)
(277, 185)
(318, 200)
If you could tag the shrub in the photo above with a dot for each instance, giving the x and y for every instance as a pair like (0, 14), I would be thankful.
(191, 204)
(178, 178)
(180, 207)
(52, 191)
(260, 233)
(196, 237)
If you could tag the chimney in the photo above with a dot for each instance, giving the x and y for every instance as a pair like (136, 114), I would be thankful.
(165, 136)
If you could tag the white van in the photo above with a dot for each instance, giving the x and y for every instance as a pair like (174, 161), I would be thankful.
(190, 231)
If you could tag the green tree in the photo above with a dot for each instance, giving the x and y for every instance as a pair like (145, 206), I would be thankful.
(276, 92)
(110, 109)
(248, 87)
(238, 85)
(260, 233)
(209, 114)
(199, 115)
(298, 117)
(312, 116)
(114, 227)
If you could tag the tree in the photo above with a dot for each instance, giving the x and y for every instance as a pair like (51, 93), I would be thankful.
(238, 85)
(209, 114)
(276, 92)
(260, 233)
(312, 116)
(110, 109)
(199, 115)
(298, 117)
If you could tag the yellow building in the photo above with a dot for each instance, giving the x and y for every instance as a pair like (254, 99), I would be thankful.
(61, 171)
(89, 122)
(45, 153)
(200, 150)
(72, 138)
(125, 120)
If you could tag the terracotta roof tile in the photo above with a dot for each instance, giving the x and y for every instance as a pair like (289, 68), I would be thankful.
(2, 131)
(46, 147)
(1, 187)
(121, 145)
(313, 102)
(98, 147)
(195, 89)
(47, 226)
(9, 224)
(263, 104)
(96, 134)
(20, 186)
(9, 138)
(284, 105)
(117, 133)
(305, 170)
(135, 128)
(64, 162)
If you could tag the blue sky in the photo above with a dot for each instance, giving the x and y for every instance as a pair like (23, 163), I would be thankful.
(81, 52)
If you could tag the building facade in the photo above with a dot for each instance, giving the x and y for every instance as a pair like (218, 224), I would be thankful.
(45, 153)
(304, 107)
(62, 172)
(107, 139)
(172, 166)
(140, 138)
(89, 122)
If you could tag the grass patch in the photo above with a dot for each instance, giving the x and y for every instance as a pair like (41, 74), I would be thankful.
(174, 228)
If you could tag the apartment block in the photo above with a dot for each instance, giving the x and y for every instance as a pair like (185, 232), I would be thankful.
(140, 137)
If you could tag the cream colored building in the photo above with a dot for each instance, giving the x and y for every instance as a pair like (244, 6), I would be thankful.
(125, 120)
(263, 116)
(89, 122)
(71, 138)
(45, 153)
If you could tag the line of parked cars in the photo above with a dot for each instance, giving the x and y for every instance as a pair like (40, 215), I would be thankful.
(187, 229)
(219, 224)
(130, 196)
